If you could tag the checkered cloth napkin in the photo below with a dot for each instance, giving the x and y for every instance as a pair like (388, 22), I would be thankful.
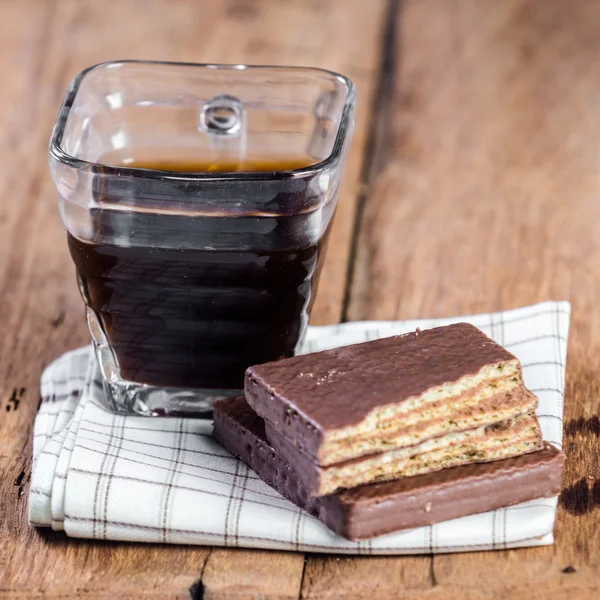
(105, 476)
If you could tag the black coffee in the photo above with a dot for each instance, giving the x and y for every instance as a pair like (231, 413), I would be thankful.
(199, 317)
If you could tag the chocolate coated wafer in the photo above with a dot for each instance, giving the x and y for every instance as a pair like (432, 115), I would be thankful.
(389, 393)
(380, 508)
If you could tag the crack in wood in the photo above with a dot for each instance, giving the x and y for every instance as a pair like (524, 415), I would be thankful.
(15, 399)
(432, 575)
(380, 138)
(19, 478)
(20, 482)
(197, 588)
(60, 319)
(302, 579)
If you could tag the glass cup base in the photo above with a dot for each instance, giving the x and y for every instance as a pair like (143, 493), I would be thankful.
(132, 398)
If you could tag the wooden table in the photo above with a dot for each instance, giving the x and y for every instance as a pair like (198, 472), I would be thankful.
(473, 185)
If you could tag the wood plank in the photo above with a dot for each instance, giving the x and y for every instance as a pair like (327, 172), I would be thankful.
(235, 574)
(373, 577)
(47, 42)
(489, 201)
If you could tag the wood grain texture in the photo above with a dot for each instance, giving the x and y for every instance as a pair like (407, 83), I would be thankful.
(373, 577)
(483, 196)
(43, 44)
(488, 201)
(235, 574)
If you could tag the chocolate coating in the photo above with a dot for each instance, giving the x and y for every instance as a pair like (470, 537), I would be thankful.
(306, 396)
(380, 508)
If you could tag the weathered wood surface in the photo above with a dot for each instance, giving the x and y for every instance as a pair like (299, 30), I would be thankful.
(43, 44)
(478, 135)
(489, 200)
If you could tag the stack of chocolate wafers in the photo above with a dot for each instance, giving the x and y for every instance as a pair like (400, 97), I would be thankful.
(395, 433)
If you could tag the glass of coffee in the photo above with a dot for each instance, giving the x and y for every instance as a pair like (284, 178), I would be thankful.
(197, 200)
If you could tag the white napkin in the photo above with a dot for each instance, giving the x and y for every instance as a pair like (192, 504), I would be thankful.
(105, 476)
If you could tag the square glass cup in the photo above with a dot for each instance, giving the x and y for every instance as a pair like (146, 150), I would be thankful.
(197, 200)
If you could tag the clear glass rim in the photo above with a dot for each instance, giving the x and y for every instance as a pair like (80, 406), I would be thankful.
(57, 153)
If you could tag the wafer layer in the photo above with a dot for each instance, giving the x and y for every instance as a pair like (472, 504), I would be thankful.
(484, 405)
(518, 435)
